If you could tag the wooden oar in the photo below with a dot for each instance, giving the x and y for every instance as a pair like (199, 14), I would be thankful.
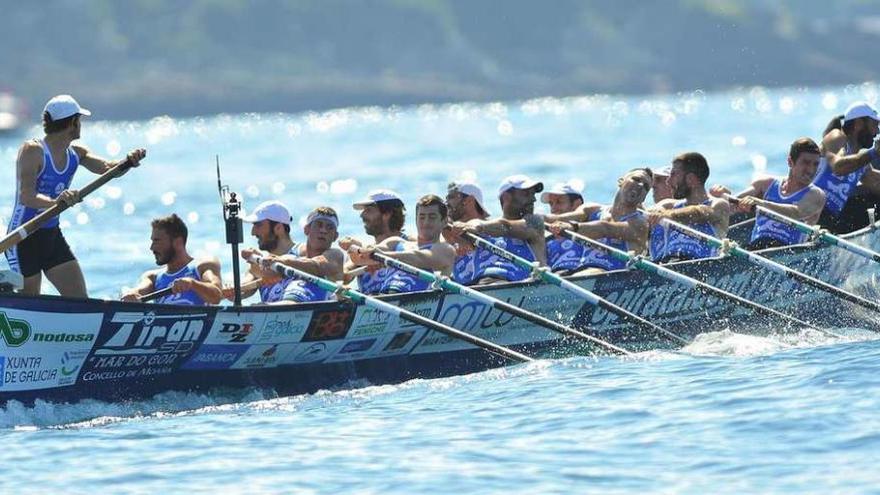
(822, 235)
(448, 285)
(773, 266)
(21, 233)
(689, 282)
(554, 279)
(391, 309)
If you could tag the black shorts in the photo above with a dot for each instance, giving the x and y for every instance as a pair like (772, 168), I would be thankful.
(43, 250)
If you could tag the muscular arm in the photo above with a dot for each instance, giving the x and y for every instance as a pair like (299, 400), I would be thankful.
(846, 164)
(28, 165)
(871, 180)
(439, 258)
(209, 288)
(145, 285)
(581, 214)
(634, 230)
(328, 264)
(807, 209)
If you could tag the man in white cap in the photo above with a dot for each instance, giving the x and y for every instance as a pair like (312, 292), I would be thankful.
(518, 230)
(429, 252)
(660, 190)
(851, 156)
(464, 199)
(271, 226)
(564, 255)
(193, 282)
(383, 214)
(621, 225)
(44, 171)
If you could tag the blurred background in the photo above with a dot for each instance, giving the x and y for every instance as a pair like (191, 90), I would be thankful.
(141, 58)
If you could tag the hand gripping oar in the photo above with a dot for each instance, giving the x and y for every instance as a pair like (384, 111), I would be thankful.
(554, 279)
(33, 224)
(732, 248)
(689, 282)
(383, 306)
(156, 294)
(448, 285)
(822, 235)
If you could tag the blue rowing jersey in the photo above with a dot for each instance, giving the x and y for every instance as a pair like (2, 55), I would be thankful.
(188, 298)
(299, 290)
(50, 182)
(400, 281)
(565, 255)
(838, 188)
(767, 228)
(597, 258)
(480, 262)
(275, 292)
(666, 243)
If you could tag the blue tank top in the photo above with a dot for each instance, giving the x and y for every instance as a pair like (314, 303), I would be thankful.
(50, 182)
(189, 298)
(837, 188)
(565, 254)
(275, 292)
(480, 262)
(400, 281)
(767, 228)
(298, 290)
(667, 243)
(597, 258)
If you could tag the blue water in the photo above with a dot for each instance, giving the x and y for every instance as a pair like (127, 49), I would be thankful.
(728, 414)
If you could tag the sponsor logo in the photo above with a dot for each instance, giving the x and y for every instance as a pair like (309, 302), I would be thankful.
(262, 358)
(399, 340)
(310, 353)
(329, 325)
(357, 346)
(27, 370)
(14, 332)
(148, 333)
(371, 321)
(284, 328)
(236, 332)
(215, 357)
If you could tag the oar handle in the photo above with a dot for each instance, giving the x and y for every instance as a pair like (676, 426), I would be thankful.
(156, 294)
(23, 231)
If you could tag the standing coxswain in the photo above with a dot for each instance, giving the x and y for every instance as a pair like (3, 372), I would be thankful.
(44, 170)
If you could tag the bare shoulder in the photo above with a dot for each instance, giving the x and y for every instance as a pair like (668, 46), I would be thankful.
(762, 183)
(208, 264)
(334, 255)
(719, 204)
(534, 221)
(443, 248)
(81, 150)
(31, 152)
(391, 243)
(834, 141)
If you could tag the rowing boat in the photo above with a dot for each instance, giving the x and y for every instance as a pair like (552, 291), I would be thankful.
(59, 349)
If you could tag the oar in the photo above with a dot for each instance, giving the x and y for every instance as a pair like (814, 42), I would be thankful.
(156, 294)
(35, 223)
(554, 279)
(448, 285)
(822, 235)
(773, 266)
(391, 309)
(689, 282)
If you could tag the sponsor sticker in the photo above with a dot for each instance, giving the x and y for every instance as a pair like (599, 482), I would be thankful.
(263, 356)
(44, 350)
(284, 328)
(214, 357)
(235, 328)
(353, 349)
(329, 325)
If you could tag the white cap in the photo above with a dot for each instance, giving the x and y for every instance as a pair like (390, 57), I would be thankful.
(519, 182)
(376, 196)
(860, 109)
(663, 172)
(573, 186)
(63, 106)
(471, 189)
(269, 210)
(314, 215)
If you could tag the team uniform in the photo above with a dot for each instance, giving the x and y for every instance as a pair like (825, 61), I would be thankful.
(838, 189)
(389, 280)
(46, 248)
(480, 262)
(770, 233)
(597, 258)
(275, 292)
(296, 290)
(667, 244)
(187, 298)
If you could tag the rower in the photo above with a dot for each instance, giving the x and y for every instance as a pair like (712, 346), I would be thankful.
(383, 214)
(518, 230)
(690, 205)
(564, 255)
(193, 282)
(44, 171)
(270, 225)
(660, 189)
(429, 252)
(850, 156)
(793, 196)
(316, 256)
(464, 199)
(621, 225)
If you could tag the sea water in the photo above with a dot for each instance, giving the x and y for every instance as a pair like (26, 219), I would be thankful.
(730, 413)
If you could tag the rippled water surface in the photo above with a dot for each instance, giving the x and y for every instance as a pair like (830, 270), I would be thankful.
(728, 414)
